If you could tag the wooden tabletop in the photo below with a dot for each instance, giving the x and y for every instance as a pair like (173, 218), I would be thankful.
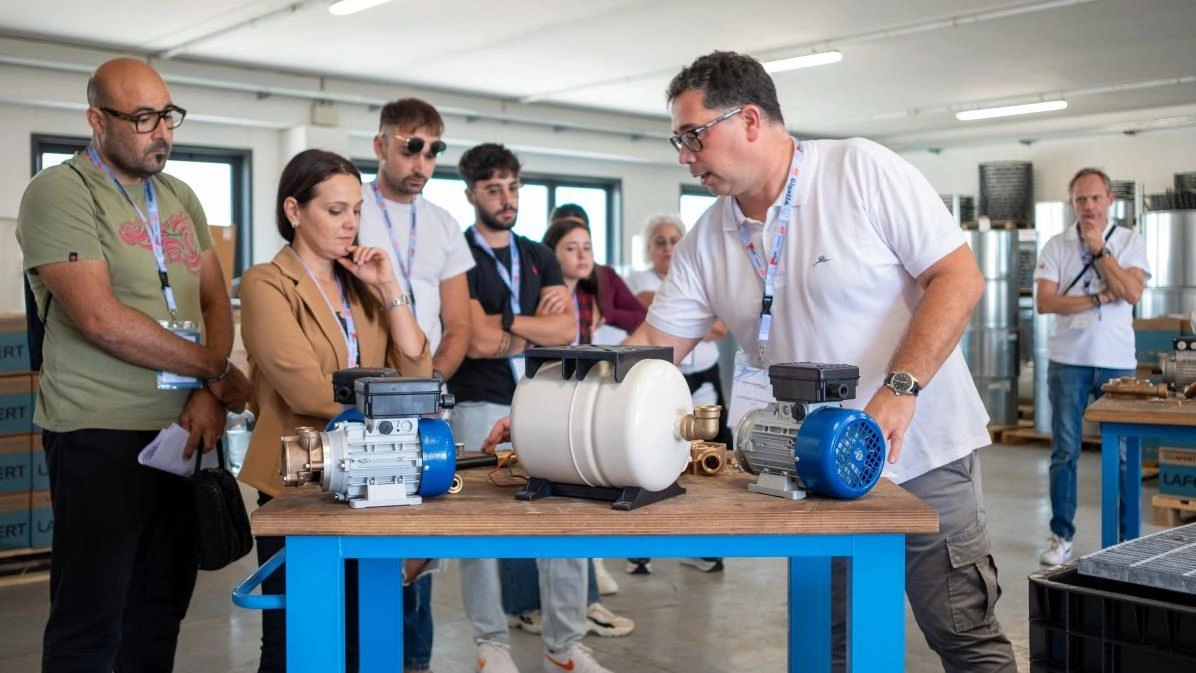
(718, 505)
(1171, 411)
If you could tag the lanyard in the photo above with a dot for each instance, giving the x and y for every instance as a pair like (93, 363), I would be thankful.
(768, 272)
(511, 279)
(394, 241)
(347, 325)
(1088, 265)
(154, 228)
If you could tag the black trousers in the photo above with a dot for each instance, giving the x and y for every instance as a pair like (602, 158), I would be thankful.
(711, 376)
(122, 567)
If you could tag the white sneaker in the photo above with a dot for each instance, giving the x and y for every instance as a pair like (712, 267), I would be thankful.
(528, 621)
(579, 659)
(495, 657)
(603, 622)
(1059, 552)
(606, 584)
(706, 565)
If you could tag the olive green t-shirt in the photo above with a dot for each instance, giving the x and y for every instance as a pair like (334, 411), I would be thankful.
(75, 212)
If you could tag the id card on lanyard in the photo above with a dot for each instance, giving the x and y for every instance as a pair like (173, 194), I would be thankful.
(512, 281)
(348, 326)
(751, 388)
(182, 329)
(405, 268)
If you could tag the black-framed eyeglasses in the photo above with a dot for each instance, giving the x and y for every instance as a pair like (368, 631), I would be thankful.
(146, 122)
(415, 144)
(692, 139)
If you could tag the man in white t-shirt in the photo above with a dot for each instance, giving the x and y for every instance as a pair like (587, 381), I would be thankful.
(1090, 276)
(397, 219)
(872, 271)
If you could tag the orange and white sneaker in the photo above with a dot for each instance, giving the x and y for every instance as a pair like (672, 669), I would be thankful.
(578, 659)
(495, 657)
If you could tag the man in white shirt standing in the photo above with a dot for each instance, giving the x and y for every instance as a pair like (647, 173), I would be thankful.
(396, 218)
(1090, 276)
(849, 257)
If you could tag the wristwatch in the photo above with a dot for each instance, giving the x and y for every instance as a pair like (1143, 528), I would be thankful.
(401, 300)
(903, 383)
(1104, 252)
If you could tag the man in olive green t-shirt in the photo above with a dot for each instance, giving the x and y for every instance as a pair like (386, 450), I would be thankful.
(138, 333)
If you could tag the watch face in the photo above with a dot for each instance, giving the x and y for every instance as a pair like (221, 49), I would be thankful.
(901, 382)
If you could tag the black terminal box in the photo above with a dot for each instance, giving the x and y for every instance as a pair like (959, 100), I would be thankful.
(393, 397)
(813, 382)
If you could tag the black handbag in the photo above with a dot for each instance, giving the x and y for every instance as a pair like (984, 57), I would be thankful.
(218, 518)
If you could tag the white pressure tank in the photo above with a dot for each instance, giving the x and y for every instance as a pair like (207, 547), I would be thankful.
(577, 424)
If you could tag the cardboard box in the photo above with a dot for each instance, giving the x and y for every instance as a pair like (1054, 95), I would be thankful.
(14, 521)
(41, 519)
(1177, 471)
(14, 344)
(37, 459)
(16, 464)
(1153, 337)
(16, 404)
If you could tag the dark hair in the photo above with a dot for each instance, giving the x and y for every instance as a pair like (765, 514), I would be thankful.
(303, 174)
(728, 80)
(569, 210)
(411, 113)
(562, 227)
(1084, 172)
(486, 161)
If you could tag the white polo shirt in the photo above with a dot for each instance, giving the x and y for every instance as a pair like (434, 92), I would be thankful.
(705, 354)
(440, 251)
(1098, 337)
(865, 224)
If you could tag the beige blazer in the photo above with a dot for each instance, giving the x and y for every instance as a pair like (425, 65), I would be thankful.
(294, 344)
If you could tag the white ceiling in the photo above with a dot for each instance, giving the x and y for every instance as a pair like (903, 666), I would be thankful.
(908, 66)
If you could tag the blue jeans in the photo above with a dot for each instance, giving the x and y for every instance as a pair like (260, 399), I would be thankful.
(521, 585)
(417, 624)
(1069, 387)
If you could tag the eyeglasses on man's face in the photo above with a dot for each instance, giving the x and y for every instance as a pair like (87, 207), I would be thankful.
(146, 122)
(496, 191)
(692, 139)
(414, 145)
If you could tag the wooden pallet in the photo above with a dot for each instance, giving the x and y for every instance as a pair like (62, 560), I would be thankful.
(1171, 510)
(1022, 434)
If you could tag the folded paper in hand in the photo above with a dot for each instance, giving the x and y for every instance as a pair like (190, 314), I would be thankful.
(166, 453)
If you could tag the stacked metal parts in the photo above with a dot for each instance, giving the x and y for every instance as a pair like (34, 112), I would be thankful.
(1007, 193)
(962, 206)
(1169, 229)
(990, 343)
(1182, 197)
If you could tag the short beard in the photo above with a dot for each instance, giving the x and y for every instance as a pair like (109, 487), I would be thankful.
(492, 222)
(398, 186)
(142, 166)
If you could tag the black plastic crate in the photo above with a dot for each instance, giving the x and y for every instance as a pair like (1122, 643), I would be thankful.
(1081, 624)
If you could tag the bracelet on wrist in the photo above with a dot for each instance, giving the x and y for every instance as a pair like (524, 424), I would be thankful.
(221, 375)
(401, 300)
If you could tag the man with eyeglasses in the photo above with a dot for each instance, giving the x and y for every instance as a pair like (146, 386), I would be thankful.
(851, 257)
(138, 330)
(517, 299)
(1089, 276)
(397, 218)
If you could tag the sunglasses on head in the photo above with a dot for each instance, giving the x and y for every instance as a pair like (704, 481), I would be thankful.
(414, 145)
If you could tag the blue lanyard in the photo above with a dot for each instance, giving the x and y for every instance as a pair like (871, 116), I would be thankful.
(394, 241)
(348, 327)
(154, 228)
(768, 272)
(511, 280)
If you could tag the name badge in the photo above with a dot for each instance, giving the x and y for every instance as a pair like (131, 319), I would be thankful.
(169, 380)
(518, 367)
(751, 389)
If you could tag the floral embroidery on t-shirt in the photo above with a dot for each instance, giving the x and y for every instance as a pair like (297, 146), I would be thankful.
(179, 245)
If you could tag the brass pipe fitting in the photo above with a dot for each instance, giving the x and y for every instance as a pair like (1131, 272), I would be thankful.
(457, 485)
(302, 457)
(702, 424)
(707, 458)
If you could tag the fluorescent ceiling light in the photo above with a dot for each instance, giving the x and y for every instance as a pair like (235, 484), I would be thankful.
(1011, 110)
(807, 61)
(345, 7)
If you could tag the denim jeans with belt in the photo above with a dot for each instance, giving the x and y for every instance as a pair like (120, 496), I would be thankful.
(1069, 387)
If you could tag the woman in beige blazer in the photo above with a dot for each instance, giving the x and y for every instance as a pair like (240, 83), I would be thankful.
(322, 304)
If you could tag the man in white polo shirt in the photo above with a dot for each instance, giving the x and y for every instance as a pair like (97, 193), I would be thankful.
(1090, 276)
(397, 219)
(870, 270)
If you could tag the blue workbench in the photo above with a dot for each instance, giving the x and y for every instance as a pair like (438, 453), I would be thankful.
(1125, 423)
(718, 517)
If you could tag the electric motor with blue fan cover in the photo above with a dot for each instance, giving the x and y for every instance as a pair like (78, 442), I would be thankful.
(387, 448)
(806, 441)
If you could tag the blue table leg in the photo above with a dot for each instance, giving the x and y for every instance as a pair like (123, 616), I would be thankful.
(1110, 484)
(876, 616)
(809, 614)
(315, 605)
(1131, 490)
(380, 606)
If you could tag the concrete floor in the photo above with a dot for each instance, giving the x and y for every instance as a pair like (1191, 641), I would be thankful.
(686, 621)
